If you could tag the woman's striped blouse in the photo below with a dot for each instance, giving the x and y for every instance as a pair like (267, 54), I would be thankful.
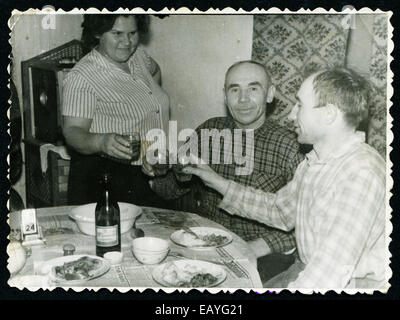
(117, 102)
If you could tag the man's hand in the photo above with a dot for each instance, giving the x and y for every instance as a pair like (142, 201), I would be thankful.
(259, 247)
(148, 169)
(205, 173)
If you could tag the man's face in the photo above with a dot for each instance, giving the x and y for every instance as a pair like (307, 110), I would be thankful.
(247, 92)
(122, 40)
(307, 117)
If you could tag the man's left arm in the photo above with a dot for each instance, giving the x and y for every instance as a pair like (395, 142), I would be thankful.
(343, 234)
(273, 240)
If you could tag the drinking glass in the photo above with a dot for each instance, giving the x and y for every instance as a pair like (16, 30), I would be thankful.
(146, 166)
(177, 168)
(134, 141)
(160, 168)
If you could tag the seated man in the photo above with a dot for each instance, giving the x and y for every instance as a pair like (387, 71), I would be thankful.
(336, 200)
(248, 90)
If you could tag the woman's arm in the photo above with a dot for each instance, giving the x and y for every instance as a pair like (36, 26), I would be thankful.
(77, 135)
(155, 71)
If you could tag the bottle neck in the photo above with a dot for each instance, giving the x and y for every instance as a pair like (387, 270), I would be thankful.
(106, 186)
(107, 199)
(107, 192)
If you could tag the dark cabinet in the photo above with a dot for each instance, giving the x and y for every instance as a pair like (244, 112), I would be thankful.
(42, 94)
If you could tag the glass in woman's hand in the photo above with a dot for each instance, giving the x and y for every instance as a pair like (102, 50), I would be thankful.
(134, 141)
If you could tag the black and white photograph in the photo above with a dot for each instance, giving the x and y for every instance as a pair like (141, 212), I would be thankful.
(200, 150)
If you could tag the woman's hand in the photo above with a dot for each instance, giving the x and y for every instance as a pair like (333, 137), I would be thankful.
(77, 135)
(116, 146)
(208, 175)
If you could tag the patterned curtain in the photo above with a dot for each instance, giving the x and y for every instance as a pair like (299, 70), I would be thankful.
(291, 47)
(378, 72)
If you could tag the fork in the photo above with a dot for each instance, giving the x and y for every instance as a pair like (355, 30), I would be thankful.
(220, 262)
(188, 230)
(180, 255)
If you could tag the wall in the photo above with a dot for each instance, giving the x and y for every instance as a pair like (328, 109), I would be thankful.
(194, 53)
(359, 48)
(367, 53)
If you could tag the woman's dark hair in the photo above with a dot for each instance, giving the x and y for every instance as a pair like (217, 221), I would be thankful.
(94, 25)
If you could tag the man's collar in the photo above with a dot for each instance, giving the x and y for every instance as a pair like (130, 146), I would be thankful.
(233, 125)
(357, 138)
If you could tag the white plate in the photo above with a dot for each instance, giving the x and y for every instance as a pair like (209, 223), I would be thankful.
(185, 239)
(48, 268)
(186, 269)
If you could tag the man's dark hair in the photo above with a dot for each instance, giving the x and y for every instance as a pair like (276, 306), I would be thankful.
(345, 89)
(94, 25)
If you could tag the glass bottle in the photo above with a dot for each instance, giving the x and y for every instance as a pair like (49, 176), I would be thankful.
(107, 219)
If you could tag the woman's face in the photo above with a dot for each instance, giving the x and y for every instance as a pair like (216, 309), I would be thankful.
(121, 41)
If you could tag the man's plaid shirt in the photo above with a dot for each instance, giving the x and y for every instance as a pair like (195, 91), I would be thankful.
(276, 156)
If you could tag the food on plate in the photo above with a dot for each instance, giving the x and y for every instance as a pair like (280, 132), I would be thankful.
(206, 240)
(214, 239)
(188, 276)
(191, 240)
(83, 268)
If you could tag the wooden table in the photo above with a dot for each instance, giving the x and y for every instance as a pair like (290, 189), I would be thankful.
(58, 228)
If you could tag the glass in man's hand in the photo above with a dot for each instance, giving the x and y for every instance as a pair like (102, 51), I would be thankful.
(177, 168)
(161, 166)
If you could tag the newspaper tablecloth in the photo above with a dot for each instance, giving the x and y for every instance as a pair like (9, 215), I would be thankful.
(58, 229)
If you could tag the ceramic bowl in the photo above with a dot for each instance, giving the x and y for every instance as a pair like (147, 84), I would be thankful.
(150, 250)
(84, 217)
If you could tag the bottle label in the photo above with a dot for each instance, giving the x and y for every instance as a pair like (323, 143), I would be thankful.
(107, 236)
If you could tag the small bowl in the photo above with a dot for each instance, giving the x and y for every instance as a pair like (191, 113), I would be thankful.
(150, 250)
(115, 257)
(84, 217)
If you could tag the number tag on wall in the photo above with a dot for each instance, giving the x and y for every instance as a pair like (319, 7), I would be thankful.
(30, 230)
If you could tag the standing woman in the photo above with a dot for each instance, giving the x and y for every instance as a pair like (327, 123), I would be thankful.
(113, 90)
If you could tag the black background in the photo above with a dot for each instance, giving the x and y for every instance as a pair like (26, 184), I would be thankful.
(134, 304)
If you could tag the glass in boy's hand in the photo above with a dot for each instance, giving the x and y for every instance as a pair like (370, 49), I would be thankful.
(134, 141)
(177, 168)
